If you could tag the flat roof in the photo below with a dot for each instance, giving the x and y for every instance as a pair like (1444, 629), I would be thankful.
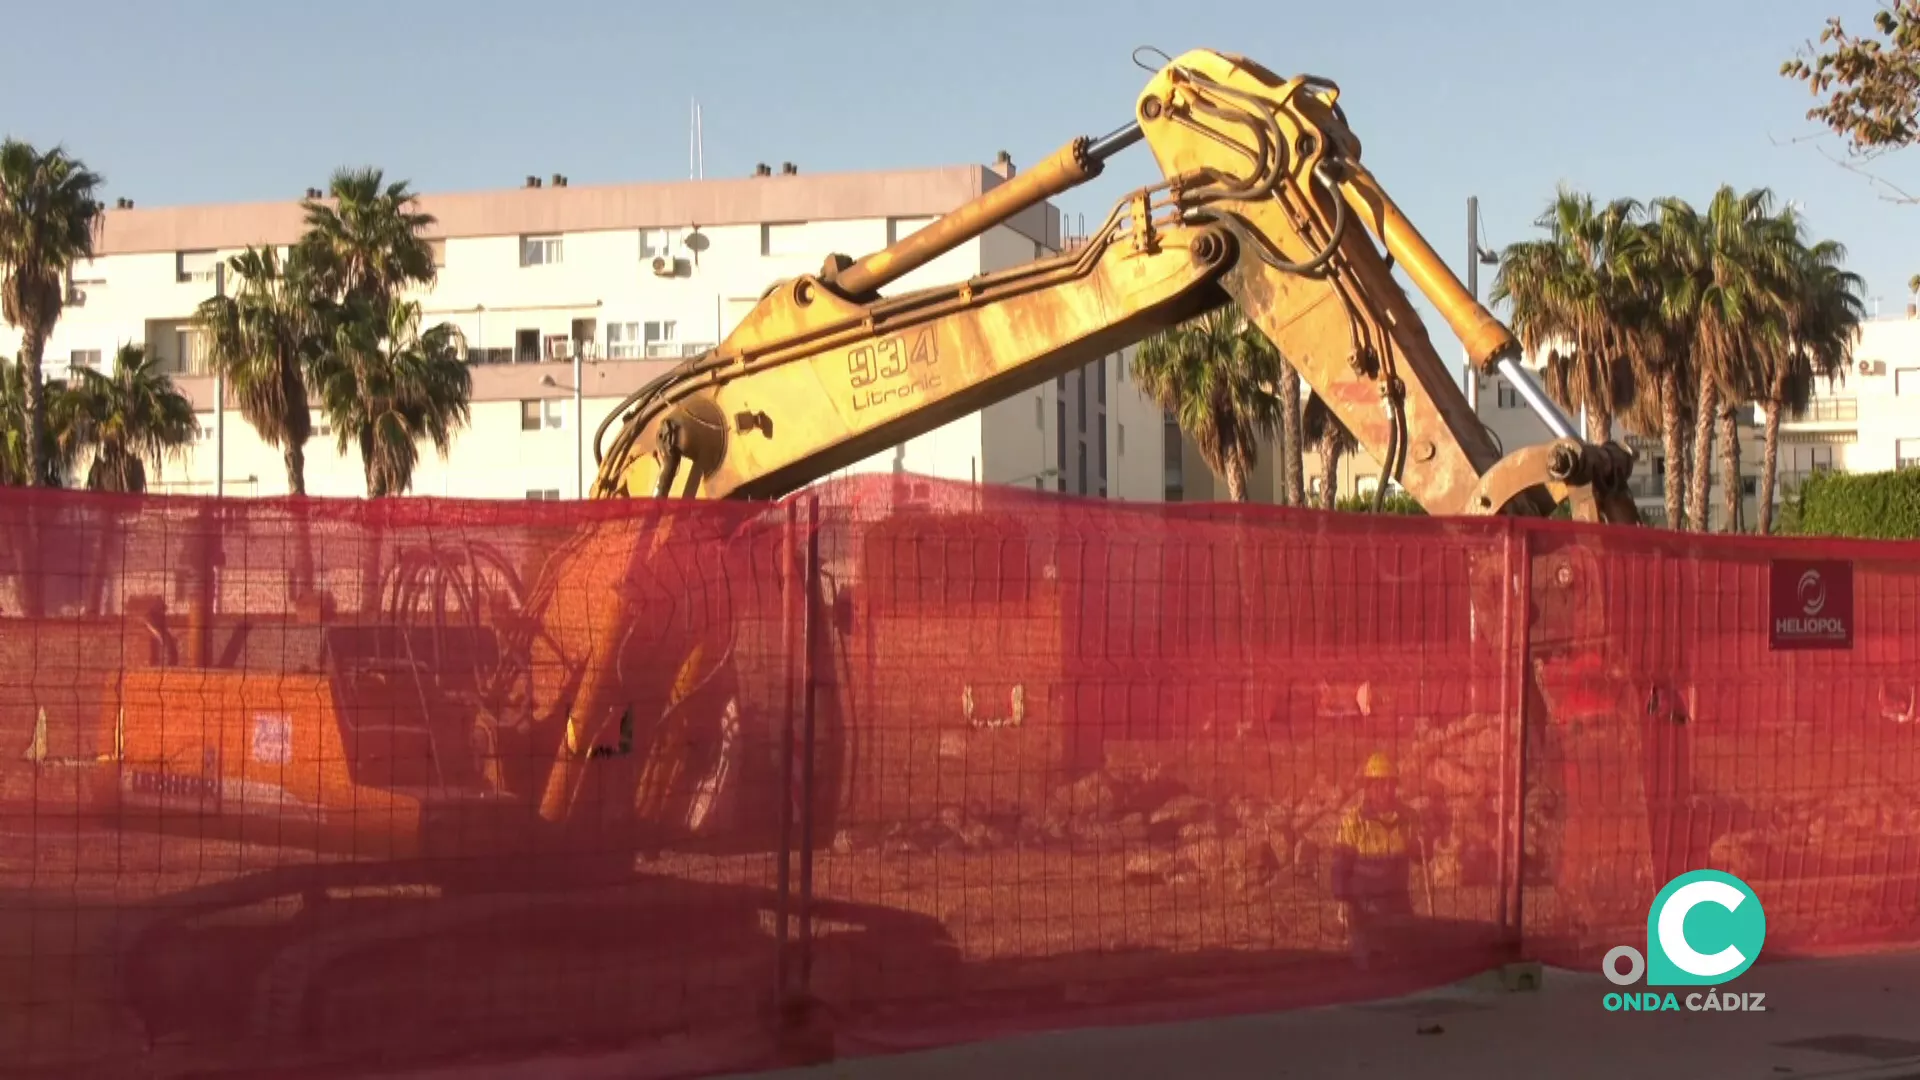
(589, 208)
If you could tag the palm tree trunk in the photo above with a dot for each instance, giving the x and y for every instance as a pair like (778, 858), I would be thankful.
(1601, 428)
(1674, 441)
(1236, 475)
(296, 457)
(302, 583)
(1329, 473)
(1770, 460)
(1293, 448)
(33, 345)
(1702, 468)
(1730, 464)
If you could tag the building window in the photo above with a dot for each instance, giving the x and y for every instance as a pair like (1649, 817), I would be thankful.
(1101, 386)
(1103, 456)
(623, 341)
(538, 413)
(1060, 440)
(1040, 412)
(189, 353)
(1506, 396)
(540, 250)
(662, 338)
(544, 494)
(1906, 381)
(783, 238)
(1120, 447)
(899, 229)
(1906, 453)
(654, 242)
(86, 358)
(526, 346)
(439, 250)
(195, 265)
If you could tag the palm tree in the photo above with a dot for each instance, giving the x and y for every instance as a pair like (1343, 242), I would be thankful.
(1319, 426)
(1292, 442)
(14, 464)
(1720, 270)
(368, 243)
(263, 339)
(1214, 374)
(124, 421)
(1575, 302)
(1823, 310)
(48, 220)
(385, 388)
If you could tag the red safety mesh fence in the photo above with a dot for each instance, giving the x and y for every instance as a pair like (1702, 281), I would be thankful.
(292, 785)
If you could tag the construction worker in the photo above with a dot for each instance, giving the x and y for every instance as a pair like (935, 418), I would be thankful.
(1371, 860)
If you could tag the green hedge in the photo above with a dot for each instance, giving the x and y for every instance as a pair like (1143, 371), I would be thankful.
(1396, 502)
(1870, 506)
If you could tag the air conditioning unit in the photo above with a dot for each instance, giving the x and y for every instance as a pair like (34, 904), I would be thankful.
(559, 348)
(1873, 367)
(665, 266)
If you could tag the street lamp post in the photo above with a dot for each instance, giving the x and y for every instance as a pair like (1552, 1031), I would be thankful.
(219, 398)
(579, 428)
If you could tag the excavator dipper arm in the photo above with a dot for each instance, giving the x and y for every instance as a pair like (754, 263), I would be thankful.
(1264, 202)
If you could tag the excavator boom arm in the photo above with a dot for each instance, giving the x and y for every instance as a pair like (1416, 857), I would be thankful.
(1264, 202)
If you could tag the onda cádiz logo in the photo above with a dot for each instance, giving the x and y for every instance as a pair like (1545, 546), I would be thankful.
(1705, 928)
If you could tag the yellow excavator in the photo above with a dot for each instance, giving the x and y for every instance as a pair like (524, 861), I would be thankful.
(1265, 202)
(589, 707)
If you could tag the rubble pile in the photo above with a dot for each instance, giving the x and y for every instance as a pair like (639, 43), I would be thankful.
(1451, 777)
(1799, 835)
(1168, 833)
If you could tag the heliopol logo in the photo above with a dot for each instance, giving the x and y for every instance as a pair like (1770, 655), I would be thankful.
(1704, 928)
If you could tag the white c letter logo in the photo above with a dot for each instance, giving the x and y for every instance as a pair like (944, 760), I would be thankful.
(1673, 937)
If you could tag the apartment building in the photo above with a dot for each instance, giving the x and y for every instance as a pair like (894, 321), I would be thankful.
(618, 282)
(1868, 420)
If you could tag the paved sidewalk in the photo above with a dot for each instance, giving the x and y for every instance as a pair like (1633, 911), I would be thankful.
(1839, 1019)
(1867, 1010)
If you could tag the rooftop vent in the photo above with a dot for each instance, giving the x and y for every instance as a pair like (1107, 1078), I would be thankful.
(788, 168)
(533, 181)
(762, 170)
(1004, 165)
(559, 180)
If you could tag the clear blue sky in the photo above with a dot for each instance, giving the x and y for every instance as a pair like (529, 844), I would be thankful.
(210, 101)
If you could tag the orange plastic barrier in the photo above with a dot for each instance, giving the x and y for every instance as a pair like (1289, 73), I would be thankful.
(889, 764)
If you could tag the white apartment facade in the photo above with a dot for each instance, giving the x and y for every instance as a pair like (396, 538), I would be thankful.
(627, 279)
(1870, 420)
(1867, 421)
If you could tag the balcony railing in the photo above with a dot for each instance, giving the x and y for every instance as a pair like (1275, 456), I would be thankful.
(1826, 411)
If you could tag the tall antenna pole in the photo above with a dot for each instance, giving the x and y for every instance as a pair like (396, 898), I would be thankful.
(1472, 377)
(699, 144)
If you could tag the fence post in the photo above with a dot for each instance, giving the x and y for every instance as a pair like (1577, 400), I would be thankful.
(1517, 616)
(784, 860)
(810, 632)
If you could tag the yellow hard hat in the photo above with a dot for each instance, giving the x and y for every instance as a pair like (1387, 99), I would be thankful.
(1379, 767)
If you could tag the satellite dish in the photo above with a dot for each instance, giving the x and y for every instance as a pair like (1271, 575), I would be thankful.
(697, 241)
